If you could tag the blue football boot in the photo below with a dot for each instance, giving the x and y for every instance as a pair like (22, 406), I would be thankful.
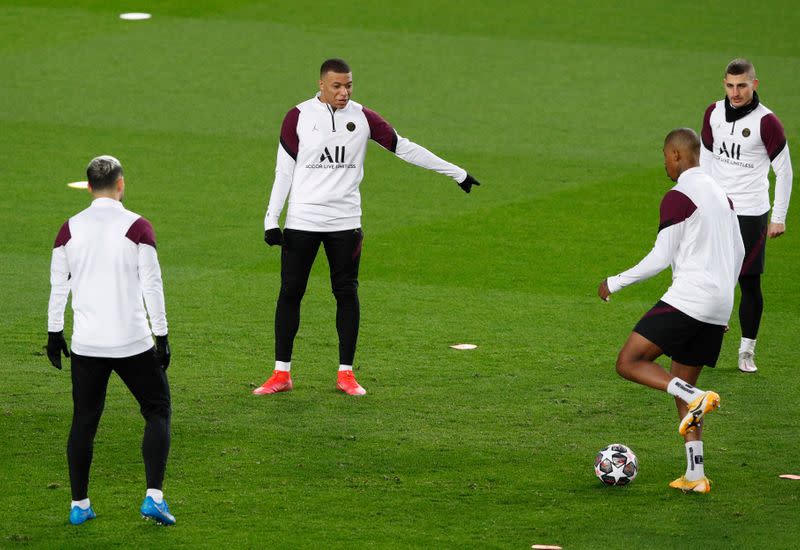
(78, 515)
(159, 512)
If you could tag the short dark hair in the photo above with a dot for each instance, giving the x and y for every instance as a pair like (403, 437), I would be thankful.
(684, 139)
(334, 65)
(103, 172)
(740, 65)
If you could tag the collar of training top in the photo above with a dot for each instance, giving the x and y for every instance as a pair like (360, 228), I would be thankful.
(106, 202)
(732, 115)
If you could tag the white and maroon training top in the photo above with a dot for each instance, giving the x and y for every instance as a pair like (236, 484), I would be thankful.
(106, 256)
(738, 147)
(321, 164)
(698, 235)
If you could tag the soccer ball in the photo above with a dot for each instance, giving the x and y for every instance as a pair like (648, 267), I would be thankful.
(616, 465)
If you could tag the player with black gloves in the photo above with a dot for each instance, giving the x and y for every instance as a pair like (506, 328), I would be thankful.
(106, 256)
(320, 166)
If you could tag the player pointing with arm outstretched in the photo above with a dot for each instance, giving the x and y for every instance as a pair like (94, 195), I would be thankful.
(698, 236)
(320, 165)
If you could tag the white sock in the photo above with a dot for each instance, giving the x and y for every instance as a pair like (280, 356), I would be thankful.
(694, 460)
(345, 367)
(283, 366)
(82, 504)
(747, 346)
(156, 494)
(683, 390)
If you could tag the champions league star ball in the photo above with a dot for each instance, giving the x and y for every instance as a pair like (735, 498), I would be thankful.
(616, 465)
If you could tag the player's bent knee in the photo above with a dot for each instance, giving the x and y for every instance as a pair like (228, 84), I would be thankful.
(625, 365)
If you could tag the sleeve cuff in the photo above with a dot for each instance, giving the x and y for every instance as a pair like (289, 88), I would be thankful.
(613, 284)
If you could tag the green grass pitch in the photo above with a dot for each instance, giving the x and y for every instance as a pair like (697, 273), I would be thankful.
(558, 109)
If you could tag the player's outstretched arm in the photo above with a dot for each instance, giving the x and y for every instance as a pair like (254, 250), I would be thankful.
(387, 137)
(656, 261)
(675, 209)
(418, 155)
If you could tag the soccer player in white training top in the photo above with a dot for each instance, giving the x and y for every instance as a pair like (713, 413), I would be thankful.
(319, 167)
(741, 139)
(698, 236)
(106, 256)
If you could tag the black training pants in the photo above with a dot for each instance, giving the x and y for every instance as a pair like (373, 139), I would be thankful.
(148, 384)
(299, 249)
(751, 306)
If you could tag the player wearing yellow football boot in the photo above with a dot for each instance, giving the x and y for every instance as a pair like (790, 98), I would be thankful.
(698, 227)
(702, 485)
(702, 404)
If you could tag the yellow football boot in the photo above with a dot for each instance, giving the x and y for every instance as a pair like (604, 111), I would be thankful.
(704, 403)
(702, 485)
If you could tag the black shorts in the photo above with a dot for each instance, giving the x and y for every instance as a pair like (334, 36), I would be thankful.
(685, 339)
(754, 235)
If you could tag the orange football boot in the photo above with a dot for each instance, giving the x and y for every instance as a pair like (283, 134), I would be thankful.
(278, 382)
(346, 382)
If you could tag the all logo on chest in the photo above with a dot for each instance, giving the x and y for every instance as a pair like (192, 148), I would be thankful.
(335, 147)
(734, 145)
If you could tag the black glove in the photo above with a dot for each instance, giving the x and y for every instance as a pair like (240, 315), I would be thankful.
(467, 184)
(163, 353)
(273, 236)
(55, 345)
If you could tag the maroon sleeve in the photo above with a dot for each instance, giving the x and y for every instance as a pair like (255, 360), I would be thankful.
(290, 141)
(141, 232)
(63, 236)
(706, 135)
(675, 208)
(772, 135)
(730, 202)
(381, 131)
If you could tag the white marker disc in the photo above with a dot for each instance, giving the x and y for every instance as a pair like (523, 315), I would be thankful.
(546, 547)
(79, 185)
(463, 346)
(135, 16)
